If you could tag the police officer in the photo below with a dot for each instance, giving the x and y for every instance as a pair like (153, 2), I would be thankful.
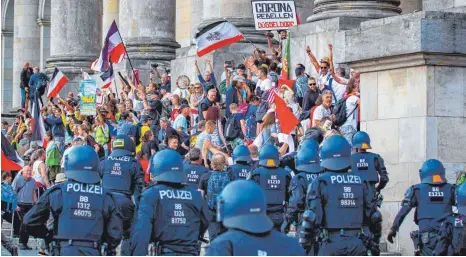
(451, 228)
(287, 162)
(275, 182)
(338, 203)
(122, 175)
(242, 209)
(85, 214)
(432, 198)
(308, 169)
(171, 214)
(194, 169)
(242, 167)
(371, 168)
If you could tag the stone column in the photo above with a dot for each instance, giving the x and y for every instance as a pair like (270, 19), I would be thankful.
(238, 12)
(148, 28)
(370, 9)
(110, 14)
(75, 38)
(197, 12)
(7, 55)
(44, 26)
(26, 42)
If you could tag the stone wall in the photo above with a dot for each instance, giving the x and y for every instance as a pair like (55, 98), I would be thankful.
(7, 56)
(183, 22)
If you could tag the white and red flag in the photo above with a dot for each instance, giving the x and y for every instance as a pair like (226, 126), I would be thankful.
(215, 36)
(57, 83)
(113, 50)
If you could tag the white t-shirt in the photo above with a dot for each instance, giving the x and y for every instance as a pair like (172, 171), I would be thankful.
(264, 85)
(353, 118)
(36, 172)
(338, 89)
(319, 113)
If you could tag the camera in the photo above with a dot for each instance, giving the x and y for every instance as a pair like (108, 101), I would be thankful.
(154, 65)
(229, 64)
(167, 70)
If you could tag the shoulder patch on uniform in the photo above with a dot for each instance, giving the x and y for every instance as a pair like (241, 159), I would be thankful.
(409, 193)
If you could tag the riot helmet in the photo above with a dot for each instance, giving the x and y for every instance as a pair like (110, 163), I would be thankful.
(242, 205)
(82, 165)
(241, 153)
(167, 166)
(269, 156)
(123, 145)
(432, 172)
(308, 159)
(335, 153)
(461, 199)
(361, 140)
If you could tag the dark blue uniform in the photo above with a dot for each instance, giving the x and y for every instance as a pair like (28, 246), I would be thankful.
(193, 174)
(240, 170)
(336, 199)
(240, 243)
(450, 234)
(174, 216)
(431, 202)
(124, 177)
(85, 215)
(371, 168)
(275, 183)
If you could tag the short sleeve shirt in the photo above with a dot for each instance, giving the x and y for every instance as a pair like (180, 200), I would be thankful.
(351, 113)
(320, 112)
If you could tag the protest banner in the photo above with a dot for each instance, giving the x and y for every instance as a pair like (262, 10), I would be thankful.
(88, 89)
(274, 15)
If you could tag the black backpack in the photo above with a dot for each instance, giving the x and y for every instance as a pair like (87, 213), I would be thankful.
(233, 128)
(340, 113)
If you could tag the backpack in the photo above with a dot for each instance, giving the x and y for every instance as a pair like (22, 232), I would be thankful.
(232, 128)
(314, 133)
(217, 181)
(340, 112)
(42, 83)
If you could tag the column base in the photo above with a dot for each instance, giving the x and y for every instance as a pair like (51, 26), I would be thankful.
(326, 9)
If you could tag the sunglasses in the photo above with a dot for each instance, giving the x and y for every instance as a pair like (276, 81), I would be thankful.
(324, 67)
(312, 84)
(197, 87)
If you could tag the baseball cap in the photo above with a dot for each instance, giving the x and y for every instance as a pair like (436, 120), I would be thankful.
(239, 78)
(146, 118)
(164, 87)
(241, 67)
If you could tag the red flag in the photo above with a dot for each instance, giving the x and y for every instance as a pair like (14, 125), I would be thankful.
(288, 82)
(286, 117)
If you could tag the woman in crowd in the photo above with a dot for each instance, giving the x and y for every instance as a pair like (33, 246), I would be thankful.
(102, 133)
(149, 145)
(268, 130)
(175, 107)
(350, 127)
(53, 157)
(213, 114)
(196, 95)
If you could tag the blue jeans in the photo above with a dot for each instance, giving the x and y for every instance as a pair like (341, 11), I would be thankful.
(23, 97)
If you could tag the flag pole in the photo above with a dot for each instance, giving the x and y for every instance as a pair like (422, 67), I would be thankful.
(127, 55)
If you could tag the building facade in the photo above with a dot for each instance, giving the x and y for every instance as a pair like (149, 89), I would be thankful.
(411, 55)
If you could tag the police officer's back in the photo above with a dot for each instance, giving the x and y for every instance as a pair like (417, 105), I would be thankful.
(122, 174)
(242, 167)
(338, 203)
(274, 181)
(170, 213)
(242, 209)
(371, 168)
(85, 214)
(194, 169)
(432, 198)
(307, 163)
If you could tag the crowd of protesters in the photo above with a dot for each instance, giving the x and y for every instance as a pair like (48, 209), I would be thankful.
(212, 116)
